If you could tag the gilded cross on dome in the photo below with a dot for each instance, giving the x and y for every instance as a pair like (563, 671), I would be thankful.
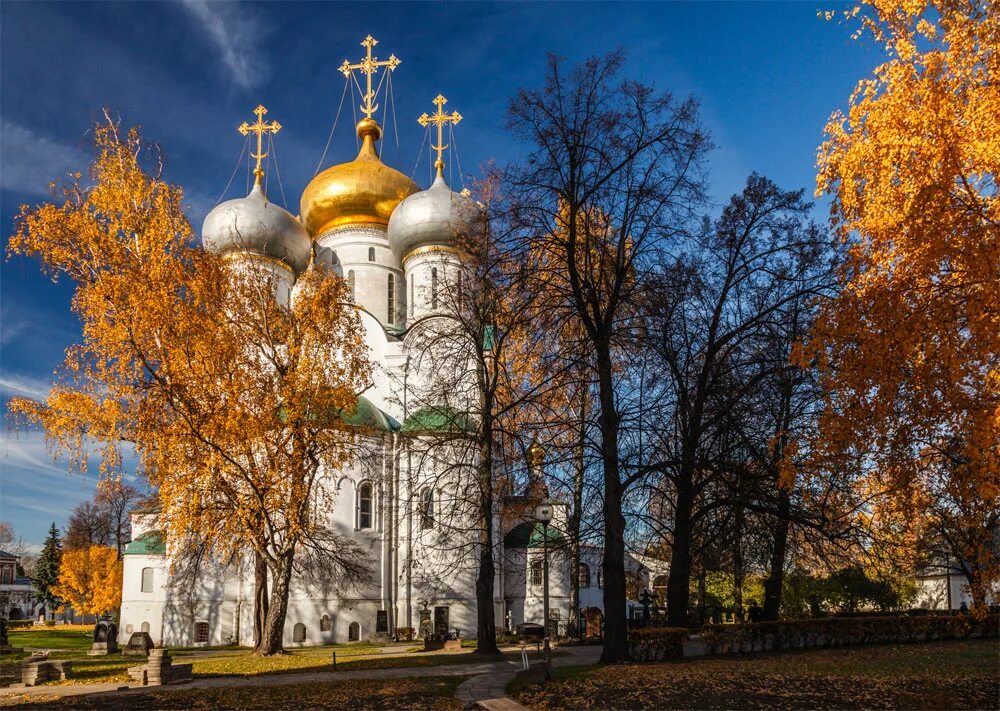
(440, 118)
(368, 66)
(260, 128)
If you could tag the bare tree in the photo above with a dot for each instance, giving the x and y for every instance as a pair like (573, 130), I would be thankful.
(612, 173)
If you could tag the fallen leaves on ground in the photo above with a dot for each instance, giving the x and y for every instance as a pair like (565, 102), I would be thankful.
(963, 674)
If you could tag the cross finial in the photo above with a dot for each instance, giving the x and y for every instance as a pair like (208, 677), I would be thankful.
(439, 118)
(368, 66)
(260, 128)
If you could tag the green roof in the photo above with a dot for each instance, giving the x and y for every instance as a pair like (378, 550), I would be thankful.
(365, 416)
(438, 419)
(149, 543)
(529, 535)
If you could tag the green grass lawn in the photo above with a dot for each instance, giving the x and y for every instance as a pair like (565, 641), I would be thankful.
(431, 693)
(936, 675)
(68, 642)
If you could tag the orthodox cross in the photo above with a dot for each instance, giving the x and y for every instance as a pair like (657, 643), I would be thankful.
(368, 66)
(260, 128)
(440, 118)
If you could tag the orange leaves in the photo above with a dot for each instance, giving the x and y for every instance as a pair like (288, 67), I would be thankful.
(90, 579)
(192, 358)
(911, 348)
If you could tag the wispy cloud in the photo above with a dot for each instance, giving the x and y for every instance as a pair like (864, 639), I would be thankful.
(15, 384)
(29, 161)
(236, 34)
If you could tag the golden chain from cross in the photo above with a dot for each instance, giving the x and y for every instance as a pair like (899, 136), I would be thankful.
(439, 118)
(368, 66)
(260, 128)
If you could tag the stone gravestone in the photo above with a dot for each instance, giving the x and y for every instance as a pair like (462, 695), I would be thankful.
(138, 645)
(5, 647)
(105, 638)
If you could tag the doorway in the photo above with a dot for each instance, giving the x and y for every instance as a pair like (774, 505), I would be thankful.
(441, 620)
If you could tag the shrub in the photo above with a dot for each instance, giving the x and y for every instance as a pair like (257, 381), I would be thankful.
(19, 624)
(657, 644)
(50, 623)
(844, 631)
(405, 634)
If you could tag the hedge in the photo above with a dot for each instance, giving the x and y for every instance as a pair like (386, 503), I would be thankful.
(19, 624)
(843, 631)
(657, 644)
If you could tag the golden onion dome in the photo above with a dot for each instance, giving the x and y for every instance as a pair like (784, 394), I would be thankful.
(364, 191)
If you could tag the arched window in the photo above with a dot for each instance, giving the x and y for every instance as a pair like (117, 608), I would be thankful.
(147, 580)
(584, 575)
(434, 287)
(391, 284)
(324, 624)
(299, 632)
(350, 283)
(201, 632)
(365, 506)
(354, 632)
(144, 627)
(427, 508)
(371, 254)
(536, 572)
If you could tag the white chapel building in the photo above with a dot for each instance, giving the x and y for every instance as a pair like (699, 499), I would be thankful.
(394, 245)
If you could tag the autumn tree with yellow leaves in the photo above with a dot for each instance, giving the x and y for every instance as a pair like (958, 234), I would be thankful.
(233, 401)
(90, 579)
(910, 349)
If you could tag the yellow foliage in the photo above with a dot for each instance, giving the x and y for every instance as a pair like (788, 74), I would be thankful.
(90, 579)
(911, 348)
(231, 399)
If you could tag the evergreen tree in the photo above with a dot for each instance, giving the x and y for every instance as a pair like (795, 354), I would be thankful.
(47, 570)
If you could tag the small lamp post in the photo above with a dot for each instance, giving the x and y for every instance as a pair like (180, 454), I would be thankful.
(543, 514)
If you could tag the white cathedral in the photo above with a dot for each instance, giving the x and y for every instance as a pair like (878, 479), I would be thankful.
(394, 244)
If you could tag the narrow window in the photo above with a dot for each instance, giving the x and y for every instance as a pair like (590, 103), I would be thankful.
(299, 632)
(536, 572)
(412, 300)
(350, 283)
(147, 580)
(144, 627)
(201, 632)
(434, 287)
(600, 577)
(391, 316)
(459, 291)
(324, 624)
(371, 254)
(427, 509)
(365, 506)
(584, 573)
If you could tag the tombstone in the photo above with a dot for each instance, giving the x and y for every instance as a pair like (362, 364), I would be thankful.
(138, 645)
(5, 647)
(105, 638)
(593, 618)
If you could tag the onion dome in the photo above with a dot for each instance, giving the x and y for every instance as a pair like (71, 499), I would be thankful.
(362, 192)
(255, 225)
(432, 218)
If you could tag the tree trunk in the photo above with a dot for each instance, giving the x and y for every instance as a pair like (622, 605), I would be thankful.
(486, 630)
(738, 572)
(260, 600)
(776, 577)
(272, 634)
(615, 631)
(679, 580)
(575, 517)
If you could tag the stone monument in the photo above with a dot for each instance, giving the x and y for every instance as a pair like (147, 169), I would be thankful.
(105, 638)
(138, 645)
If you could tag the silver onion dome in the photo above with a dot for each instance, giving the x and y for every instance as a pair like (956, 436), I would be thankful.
(254, 224)
(432, 217)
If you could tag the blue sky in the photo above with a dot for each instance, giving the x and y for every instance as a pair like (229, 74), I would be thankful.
(768, 75)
